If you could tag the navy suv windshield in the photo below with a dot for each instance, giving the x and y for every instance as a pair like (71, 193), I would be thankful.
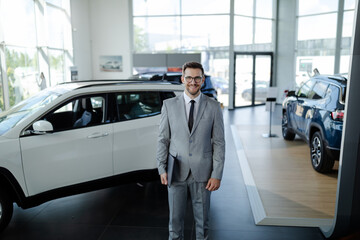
(20, 111)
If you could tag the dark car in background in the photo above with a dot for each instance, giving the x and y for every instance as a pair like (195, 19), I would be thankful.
(207, 88)
(315, 112)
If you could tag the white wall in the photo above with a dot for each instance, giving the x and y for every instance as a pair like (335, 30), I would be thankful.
(110, 35)
(285, 68)
(102, 29)
(80, 19)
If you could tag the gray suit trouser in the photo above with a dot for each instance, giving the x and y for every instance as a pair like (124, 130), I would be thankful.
(200, 198)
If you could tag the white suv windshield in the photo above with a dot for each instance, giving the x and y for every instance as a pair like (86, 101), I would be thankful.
(20, 111)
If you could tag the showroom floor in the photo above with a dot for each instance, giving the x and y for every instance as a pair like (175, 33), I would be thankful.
(140, 211)
(288, 189)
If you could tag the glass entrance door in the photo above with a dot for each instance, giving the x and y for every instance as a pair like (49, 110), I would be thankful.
(244, 66)
(253, 77)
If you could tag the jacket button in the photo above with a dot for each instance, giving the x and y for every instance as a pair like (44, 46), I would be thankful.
(190, 141)
(190, 154)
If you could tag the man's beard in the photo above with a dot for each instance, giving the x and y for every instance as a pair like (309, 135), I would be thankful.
(188, 88)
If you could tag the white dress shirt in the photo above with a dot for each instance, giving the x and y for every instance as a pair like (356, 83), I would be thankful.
(188, 105)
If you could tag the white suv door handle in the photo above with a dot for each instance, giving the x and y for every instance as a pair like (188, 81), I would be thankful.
(98, 135)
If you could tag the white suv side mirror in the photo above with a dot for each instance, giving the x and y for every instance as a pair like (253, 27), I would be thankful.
(42, 127)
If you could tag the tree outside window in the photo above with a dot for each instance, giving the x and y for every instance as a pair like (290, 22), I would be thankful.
(22, 73)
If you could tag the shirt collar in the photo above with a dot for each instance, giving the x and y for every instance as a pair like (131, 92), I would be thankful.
(188, 99)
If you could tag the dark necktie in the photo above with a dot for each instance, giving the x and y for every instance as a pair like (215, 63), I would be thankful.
(191, 115)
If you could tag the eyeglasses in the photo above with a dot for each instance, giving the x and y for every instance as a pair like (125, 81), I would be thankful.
(189, 79)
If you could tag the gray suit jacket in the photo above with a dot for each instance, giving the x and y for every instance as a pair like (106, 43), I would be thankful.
(202, 151)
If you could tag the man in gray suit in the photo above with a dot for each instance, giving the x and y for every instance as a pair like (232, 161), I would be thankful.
(191, 151)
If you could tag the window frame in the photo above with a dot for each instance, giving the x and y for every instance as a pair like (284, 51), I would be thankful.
(298, 94)
(314, 93)
(105, 119)
(130, 117)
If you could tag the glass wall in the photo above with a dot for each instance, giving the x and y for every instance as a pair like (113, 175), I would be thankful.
(316, 37)
(180, 25)
(253, 25)
(22, 72)
(2, 106)
(347, 33)
(36, 42)
(203, 26)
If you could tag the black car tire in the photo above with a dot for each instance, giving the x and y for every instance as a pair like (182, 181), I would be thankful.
(286, 132)
(6, 209)
(320, 160)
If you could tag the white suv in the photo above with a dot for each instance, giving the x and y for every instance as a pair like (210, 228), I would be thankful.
(78, 137)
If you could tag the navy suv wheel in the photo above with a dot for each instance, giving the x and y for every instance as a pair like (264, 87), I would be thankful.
(6, 209)
(286, 132)
(320, 160)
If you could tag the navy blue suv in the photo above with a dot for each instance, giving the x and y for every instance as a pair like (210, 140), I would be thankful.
(315, 112)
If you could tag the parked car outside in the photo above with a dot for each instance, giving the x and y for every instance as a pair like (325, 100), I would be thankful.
(79, 136)
(315, 112)
(261, 90)
(207, 88)
(220, 84)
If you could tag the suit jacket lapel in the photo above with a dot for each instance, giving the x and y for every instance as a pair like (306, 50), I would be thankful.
(202, 106)
(181, 107)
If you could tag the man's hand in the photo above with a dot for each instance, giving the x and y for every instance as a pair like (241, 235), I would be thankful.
(213, 184)
(163, 178)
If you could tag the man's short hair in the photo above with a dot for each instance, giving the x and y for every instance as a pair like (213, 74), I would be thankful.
(192, 65)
